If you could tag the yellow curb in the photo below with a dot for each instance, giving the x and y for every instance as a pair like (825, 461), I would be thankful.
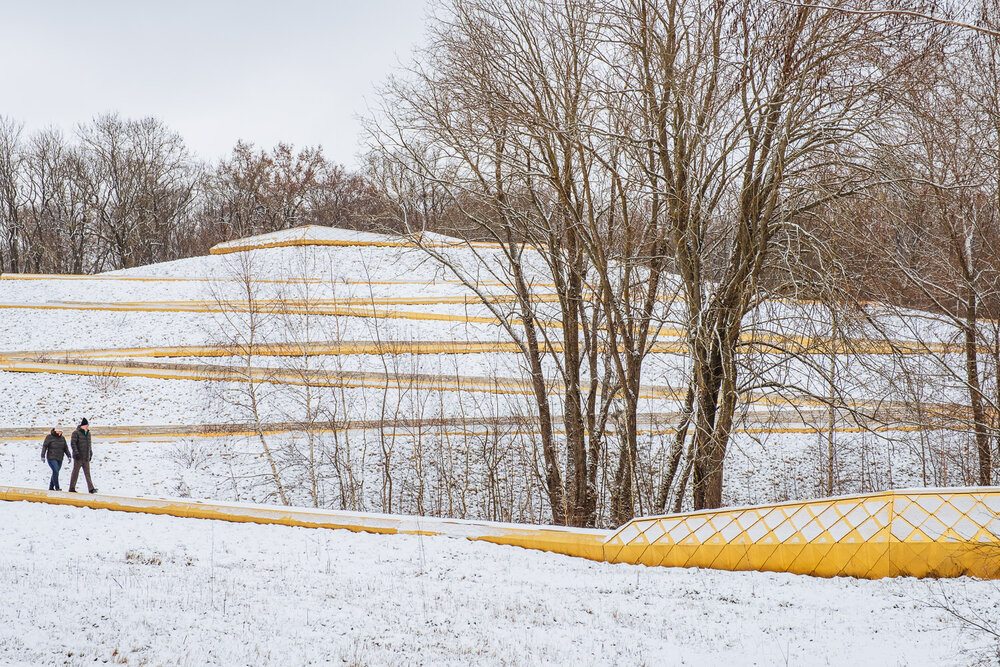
(582, 543)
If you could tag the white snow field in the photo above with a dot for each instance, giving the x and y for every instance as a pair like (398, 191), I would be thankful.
(87, 586)
(81, 586)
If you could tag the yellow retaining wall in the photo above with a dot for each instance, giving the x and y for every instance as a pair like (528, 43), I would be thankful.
(918, 533)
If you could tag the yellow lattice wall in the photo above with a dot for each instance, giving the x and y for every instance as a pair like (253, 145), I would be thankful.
(921, 533)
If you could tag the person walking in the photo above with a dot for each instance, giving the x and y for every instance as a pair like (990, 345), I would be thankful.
(54, 448)
(82, 454)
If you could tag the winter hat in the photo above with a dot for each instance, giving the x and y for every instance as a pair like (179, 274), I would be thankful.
(84, 422)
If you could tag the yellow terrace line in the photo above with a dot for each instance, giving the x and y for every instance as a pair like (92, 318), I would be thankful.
(350, 379)
(754, 430)
(295, 350)
(155, 279)
(203, 307)
(226, 249)
(279, 350)
(275, 376)
(212, 307)
(223, 279)
(355, 308)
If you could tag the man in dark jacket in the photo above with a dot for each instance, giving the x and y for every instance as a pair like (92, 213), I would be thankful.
(80, 442)
(53, 450)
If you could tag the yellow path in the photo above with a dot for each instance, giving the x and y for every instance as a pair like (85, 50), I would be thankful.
(456, 428)
(581, 542)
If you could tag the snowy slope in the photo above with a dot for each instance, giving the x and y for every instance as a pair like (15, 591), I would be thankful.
(380, 291)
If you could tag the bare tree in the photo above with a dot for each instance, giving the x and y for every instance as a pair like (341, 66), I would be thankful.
(243, 330)
(759, 112)
(142, 185)
(11, 195)
(936, 230)
(492, 125)
(57, 187)
(611, 142)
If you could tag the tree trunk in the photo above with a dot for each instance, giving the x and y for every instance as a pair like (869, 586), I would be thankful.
(980, 426)
(676, 451)
(553, 479)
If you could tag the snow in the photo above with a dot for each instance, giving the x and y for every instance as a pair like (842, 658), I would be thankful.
(44, 400)
(92, 585)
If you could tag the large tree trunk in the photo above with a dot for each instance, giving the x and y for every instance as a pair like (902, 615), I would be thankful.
(623, 492)
(553, 479)
(573, 420)
(706, 475)
(715, 385)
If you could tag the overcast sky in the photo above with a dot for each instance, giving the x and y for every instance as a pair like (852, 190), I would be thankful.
(214, 70)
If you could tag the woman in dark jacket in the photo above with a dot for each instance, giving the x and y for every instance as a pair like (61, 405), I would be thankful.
(53, 450)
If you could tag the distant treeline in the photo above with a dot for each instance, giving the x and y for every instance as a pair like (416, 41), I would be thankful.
(120, 193)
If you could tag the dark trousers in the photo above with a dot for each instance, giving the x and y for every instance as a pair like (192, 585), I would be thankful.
(55, 464)
(77, 464)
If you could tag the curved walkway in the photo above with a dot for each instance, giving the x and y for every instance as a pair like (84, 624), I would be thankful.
(918, 533)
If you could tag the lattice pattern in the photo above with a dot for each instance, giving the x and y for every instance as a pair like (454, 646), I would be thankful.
(937, 533)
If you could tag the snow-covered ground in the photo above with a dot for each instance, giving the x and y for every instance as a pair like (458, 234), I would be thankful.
(83, 586)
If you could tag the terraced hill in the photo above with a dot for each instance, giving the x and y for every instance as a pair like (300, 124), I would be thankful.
(417, 399)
